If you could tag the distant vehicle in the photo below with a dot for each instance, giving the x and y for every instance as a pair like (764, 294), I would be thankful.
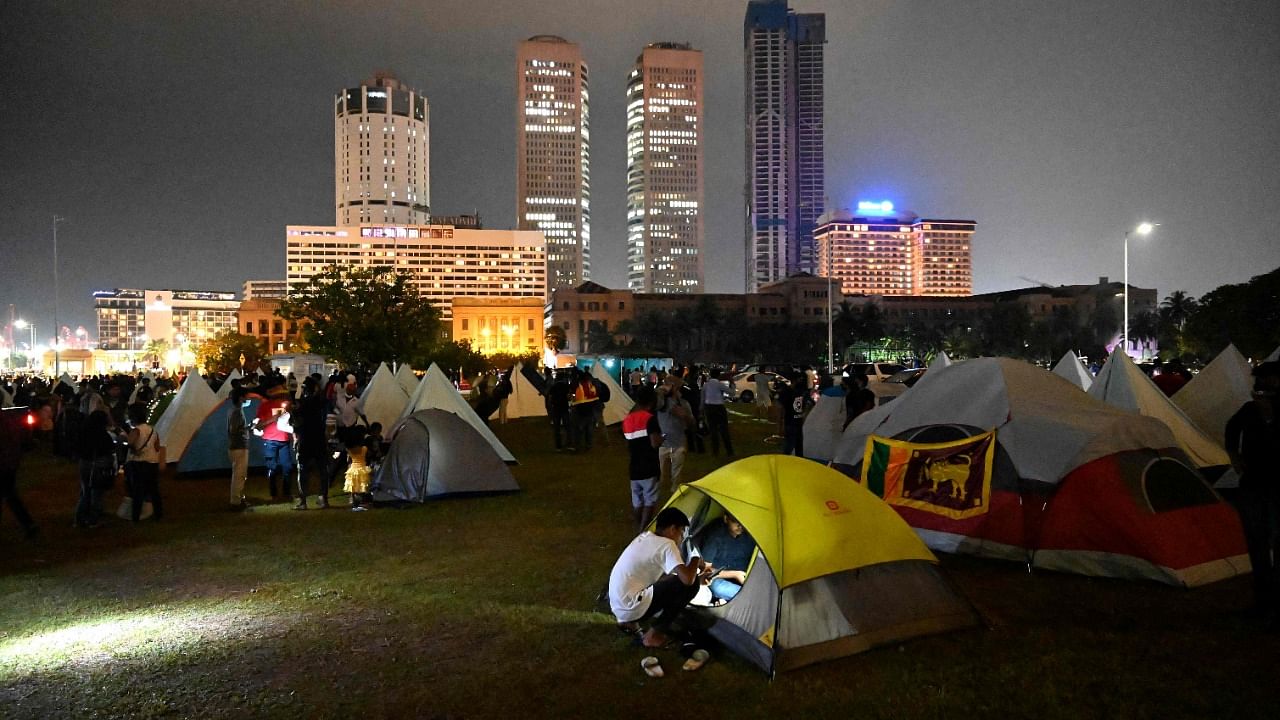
(743, 386)
(877, 370)
(894, 385)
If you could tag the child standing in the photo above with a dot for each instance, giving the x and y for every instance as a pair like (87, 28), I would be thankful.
(358, 473)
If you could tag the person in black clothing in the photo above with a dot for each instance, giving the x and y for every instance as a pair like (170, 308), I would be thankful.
(13, 434)
(857, 398)
(309, 433)
(558, 408)
(1253, 441)
(795, 402)
(97, 452)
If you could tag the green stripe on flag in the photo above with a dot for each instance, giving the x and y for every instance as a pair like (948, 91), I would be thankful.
(879, 464)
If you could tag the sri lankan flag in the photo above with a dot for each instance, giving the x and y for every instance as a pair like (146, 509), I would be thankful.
(952, 479)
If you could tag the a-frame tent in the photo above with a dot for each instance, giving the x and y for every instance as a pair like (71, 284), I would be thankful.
(436, 453)
(383, 399)
(524, 400)
(620, 403)
(435, 391)
(224, 390)
(1274, 356)
(189, 409)
(208, 449)
(836, 571)
(941, 360)
(1073, 370)
(1217, 392)
(1123, 384)
(406, 379)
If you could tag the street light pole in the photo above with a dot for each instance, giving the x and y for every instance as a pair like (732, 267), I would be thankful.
(56, 340)
(1143, 229)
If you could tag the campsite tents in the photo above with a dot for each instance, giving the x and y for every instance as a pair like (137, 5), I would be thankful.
(383, 399)
(437, 453)
(1217, 392)
(207, 450)
(1274, 356)
(941, 360)
(435, 391)
(619, 402)
(1073, 370)
(822, 428)
(1075, 484)
(1124, 385)
(406, 379)
(224, 390)
(836, 572)
(187, 411)
(524, 400)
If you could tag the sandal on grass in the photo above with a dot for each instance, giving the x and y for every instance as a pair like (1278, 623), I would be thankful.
(697, 659)
(651, 667)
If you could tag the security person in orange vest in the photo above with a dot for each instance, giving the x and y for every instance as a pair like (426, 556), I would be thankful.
(583, 410)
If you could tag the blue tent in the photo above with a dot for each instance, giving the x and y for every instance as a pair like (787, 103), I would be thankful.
(208, 447)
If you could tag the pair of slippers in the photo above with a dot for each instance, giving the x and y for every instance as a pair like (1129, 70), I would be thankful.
(696, 660)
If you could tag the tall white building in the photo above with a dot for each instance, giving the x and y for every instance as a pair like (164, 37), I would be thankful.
(128, 319)
(381, 154)
(786, 177)
(442, 262)
(664, 170)
(553, 154)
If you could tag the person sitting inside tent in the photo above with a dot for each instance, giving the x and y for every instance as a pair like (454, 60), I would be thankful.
(649, 582)
(728, 547)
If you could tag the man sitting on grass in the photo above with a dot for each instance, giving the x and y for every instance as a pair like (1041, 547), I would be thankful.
(650, 582)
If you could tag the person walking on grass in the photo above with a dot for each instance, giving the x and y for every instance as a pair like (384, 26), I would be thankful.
(146, 455)
(644, 436)
(585, 401)
(715, 391)
(12, 435)
(675, 417)
(312, 443)
(1253, 441)
(97, 468)
(238, 447)
(358, 475)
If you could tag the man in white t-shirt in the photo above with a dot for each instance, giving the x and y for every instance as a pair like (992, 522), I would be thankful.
(650, 582)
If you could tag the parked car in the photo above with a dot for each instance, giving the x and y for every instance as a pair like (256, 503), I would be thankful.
(894, 385)
(875, 371)
(743, 386)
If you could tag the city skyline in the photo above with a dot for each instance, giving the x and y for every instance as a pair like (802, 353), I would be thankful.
(1056, 128)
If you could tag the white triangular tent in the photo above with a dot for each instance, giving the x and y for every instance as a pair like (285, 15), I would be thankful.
(941, 360)
(1123, 384)
(406, 379)
(619, 402)
(435, 391)
(65, 379)
(1274, 356)
(383, 399)
(822, 428)
(1217, 392)
(524, 400)
(1073, 370)
(224, 390)
(184, 416)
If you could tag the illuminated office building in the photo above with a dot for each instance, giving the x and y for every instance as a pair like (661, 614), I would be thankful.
(443, 262)
(881, 251)
(553, 154)
(381, 154)
(786, 178)
(664, 170)
(129, 319)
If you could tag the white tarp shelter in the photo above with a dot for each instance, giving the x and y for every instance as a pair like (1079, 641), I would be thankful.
(1074, 371)
(435, 391)
(822, 428)
(189, 409)
(619, 402)
(941, 360)
(383, 399)
(1124, 385)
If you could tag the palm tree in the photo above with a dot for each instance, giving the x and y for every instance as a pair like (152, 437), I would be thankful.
(1178, 307)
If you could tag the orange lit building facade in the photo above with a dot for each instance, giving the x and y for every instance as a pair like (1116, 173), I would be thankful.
(896, 254)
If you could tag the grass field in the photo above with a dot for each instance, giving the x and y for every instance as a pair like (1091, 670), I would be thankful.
(483, 607)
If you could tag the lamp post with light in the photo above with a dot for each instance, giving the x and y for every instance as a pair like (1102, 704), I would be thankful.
(1142, 229)
(31, 348)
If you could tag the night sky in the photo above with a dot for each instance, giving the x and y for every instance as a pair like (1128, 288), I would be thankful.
(179, 138)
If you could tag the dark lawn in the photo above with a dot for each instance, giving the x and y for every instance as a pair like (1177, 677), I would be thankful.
(483, 607)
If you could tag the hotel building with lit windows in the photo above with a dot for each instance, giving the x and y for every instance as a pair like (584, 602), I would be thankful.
(381, 154)
(443, 262)
(785, 165)
(553, 154)
(880, 251)
(665, 170)
(128, 319)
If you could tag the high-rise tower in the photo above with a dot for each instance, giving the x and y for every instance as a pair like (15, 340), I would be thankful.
(553, 154)
(786, 177)
(664, 170)
(381, 154)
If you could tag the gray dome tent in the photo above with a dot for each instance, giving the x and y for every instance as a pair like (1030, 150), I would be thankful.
(435, 453)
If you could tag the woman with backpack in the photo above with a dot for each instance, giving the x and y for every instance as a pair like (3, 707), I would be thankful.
(98, 464)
